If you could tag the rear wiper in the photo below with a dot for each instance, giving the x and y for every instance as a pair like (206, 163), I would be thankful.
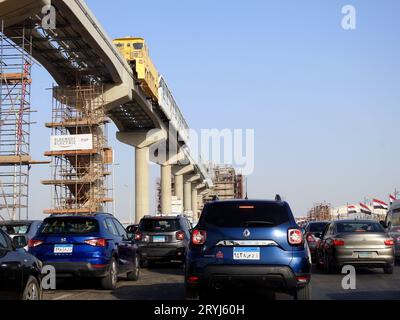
(255, 223)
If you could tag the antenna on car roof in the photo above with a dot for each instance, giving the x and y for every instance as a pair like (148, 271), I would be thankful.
(278, 198)
(215, 198)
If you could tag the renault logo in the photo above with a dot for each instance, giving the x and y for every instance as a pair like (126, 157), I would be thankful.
(246, 233)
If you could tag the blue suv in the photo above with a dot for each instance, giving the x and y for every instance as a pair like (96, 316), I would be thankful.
(247, 243)
(93, 245)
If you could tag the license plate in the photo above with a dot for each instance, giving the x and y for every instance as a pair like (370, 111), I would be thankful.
(246, 253)
(63, 248)
(365, 254)
(158, 239)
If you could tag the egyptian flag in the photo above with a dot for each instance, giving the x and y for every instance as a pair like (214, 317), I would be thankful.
(351, 209)
(378, 204)
(392, 198)
(365, 209)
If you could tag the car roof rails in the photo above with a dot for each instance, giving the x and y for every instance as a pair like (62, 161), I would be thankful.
(278, 198)
(87, 214)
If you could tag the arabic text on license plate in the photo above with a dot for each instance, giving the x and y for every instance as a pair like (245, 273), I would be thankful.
(158, 239)
(246, 253)
(365, 254)
(63, 248)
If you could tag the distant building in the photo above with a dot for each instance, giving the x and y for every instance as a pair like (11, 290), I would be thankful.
(228, 184)
(320, 212)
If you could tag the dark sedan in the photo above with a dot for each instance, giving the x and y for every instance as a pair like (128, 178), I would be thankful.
(357, 243)
(394, 232)
(313, 231)
(20, 272)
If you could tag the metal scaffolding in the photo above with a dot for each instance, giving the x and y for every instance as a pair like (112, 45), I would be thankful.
(320, 212)
(79, 174)
(227, 184)
(15, 112)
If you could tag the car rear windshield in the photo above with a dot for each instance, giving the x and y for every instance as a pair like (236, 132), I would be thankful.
(69, 226)
(344, 227)
(238, 215)
(16, 228)
(395, 229)
(160, 225)
(317, 227)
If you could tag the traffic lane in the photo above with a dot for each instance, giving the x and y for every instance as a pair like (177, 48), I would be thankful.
(164, 282)
(371, 284)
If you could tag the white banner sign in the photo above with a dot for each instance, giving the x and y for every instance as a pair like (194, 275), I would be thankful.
(71, 142)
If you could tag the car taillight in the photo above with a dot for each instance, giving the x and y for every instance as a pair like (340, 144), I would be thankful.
(389, 242)
(97, 242)
(198, 237)
(338, 242)
(180, 235)
(34, 243)
(193, 279)
(303, 279)
(295, 236)
(138, 236)
(310, 238)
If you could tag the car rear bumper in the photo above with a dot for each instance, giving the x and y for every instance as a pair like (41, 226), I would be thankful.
(168, 251)
(279, 278)
(379, 257)
(79, 269)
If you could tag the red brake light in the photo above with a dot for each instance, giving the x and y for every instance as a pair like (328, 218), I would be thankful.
(193, 279)
(34, 243)
(338, 243)
(180, 235)
(303, 279)
(198, 237)
(295, 236)
(389, 242)
(138, 236)
(97, 242)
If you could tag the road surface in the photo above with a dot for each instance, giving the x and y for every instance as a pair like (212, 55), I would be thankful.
(165, 282)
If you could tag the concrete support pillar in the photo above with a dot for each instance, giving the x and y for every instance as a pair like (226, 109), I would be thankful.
(179, 186)
(141, 183)
(166, 189)
(194, 202)
(142, 141)
(187, 194)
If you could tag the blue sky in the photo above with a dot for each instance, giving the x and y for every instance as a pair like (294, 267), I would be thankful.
(323, 101)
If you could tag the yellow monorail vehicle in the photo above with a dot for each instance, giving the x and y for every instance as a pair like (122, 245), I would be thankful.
(136, 52)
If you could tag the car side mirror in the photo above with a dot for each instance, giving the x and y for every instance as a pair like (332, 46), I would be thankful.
(383, 224)
(20, 242)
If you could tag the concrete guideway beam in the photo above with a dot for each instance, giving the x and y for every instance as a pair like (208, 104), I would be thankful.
(13, 12)
(193, 178)
(141, 139)
(182, 170)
